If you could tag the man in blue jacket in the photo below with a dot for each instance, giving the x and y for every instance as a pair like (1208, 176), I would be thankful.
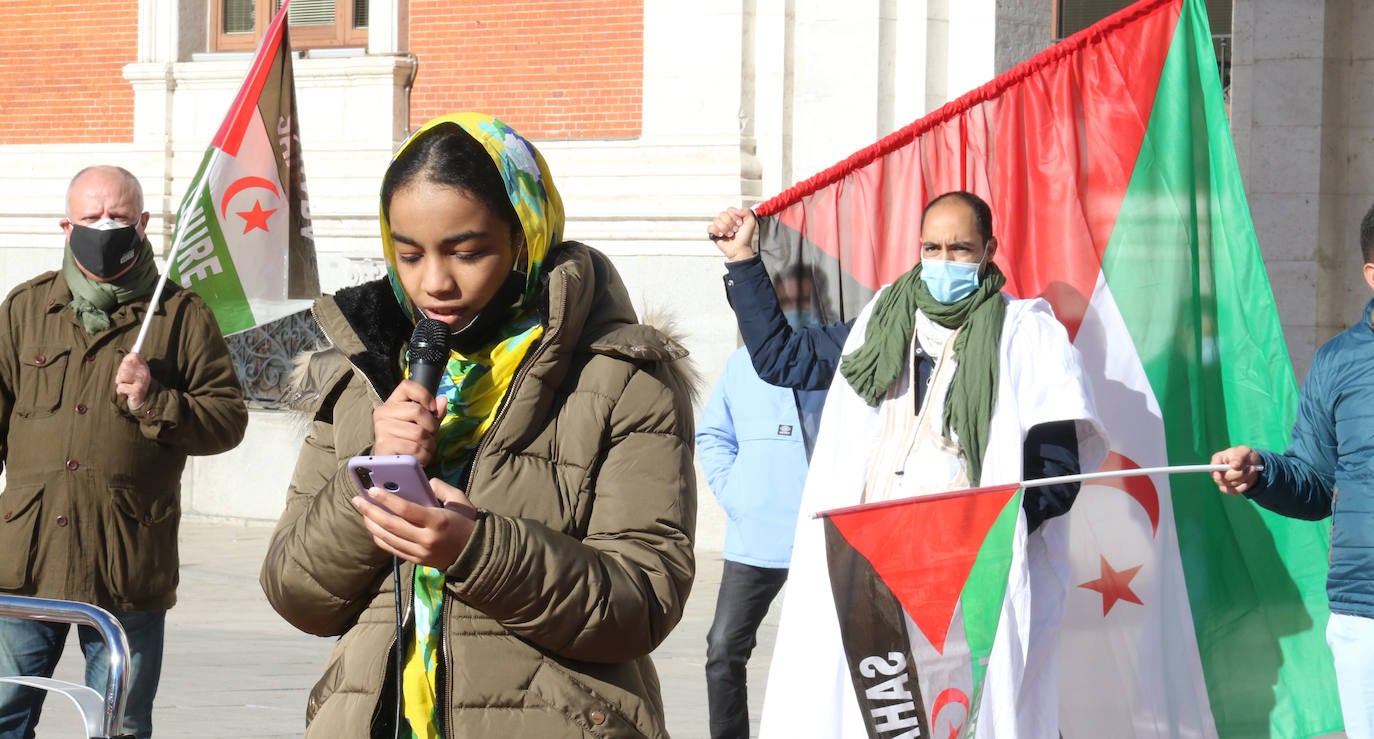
(1333, 449)
(750, 445)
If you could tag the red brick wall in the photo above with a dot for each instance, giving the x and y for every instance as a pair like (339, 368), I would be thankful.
(63, 78)
(552, 69)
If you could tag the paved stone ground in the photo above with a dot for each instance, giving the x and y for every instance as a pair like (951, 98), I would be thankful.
(233, 668)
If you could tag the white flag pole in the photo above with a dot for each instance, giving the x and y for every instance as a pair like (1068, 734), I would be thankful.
(1041, 482)
(176, 245)
(1175, 470)
(152, 304)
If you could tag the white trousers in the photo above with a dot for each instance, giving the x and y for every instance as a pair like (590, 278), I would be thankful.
(1352, 642)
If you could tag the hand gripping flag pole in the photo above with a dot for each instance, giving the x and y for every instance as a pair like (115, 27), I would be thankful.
(1173, 470)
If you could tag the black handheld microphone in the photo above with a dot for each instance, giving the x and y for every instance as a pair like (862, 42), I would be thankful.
(429, 353)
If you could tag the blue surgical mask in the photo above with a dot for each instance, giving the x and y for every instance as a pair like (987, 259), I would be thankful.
(949, 281)
(798, 317)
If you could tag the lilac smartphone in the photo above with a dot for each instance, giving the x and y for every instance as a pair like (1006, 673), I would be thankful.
(399, 474)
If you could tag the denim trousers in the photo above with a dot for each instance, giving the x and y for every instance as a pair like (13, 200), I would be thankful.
(32, 648)
(741, 605)
(1352, 643)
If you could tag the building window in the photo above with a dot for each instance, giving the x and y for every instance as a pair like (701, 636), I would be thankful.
(1072, 16)
(315, 24)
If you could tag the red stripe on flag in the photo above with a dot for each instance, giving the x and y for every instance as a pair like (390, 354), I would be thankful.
(1062, 175)
(924, 548)
(230, 134)
(1051, 145)
(904, 136)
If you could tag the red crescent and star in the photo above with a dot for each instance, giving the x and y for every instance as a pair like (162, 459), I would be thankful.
(257, 216)
(950, 696)
(1114, 584)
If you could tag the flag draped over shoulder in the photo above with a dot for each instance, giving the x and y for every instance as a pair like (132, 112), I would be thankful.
(243, 239)
(1109, 166)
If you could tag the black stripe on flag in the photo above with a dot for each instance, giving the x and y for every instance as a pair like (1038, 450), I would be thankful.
(877, 648)
(835, 295)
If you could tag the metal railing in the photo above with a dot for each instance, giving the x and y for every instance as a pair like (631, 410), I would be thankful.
(103, 715)
(263, 355)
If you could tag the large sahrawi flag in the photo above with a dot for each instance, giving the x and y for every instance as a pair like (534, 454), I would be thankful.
(243, 240)
(923, 581)
(1109, 166)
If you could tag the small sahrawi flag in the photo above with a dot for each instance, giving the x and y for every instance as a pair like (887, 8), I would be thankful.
(243, 240)
(918, 587)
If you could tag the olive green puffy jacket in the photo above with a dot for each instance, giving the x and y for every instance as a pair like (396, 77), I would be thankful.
(584, 561)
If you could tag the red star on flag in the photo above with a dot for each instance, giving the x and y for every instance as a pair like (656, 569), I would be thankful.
(256, 218)
(1114, 585)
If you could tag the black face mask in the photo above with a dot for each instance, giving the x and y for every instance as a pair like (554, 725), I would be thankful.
(476, 334)
(104, 253)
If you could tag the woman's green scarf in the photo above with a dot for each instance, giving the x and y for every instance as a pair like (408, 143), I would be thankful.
(94, 301)
(878, 363)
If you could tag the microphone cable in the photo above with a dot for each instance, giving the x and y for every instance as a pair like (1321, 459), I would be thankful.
(400, 661)
(428, 358)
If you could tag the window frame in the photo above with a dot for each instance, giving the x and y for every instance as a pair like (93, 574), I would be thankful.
(341, 34)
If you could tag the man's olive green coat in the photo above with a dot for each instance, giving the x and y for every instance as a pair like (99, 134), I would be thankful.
(92, 498)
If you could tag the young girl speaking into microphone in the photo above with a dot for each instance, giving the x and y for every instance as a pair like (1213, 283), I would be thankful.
(560, 445)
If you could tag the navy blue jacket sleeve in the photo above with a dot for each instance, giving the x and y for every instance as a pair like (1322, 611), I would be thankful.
(805, 359)
(1301, 482)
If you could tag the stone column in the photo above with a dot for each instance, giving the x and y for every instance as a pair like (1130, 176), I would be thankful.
(1300, 106)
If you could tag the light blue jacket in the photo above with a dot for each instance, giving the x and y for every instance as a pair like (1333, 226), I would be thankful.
(1329, 469)
(749, 443)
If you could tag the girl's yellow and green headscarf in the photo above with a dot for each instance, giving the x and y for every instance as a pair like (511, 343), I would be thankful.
(528, 185)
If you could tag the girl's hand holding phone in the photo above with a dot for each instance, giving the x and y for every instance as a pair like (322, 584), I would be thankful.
(427, 522)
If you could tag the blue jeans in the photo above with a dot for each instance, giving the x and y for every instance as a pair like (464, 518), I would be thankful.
(742, 604)
(1352, 643)
(33, 647)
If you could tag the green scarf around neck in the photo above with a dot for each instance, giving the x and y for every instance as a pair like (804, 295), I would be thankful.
(878, 363)
(94, 301)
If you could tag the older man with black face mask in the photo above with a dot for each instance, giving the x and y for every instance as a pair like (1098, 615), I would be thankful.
(93, 439)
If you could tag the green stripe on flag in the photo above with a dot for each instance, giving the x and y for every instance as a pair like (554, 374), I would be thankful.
(982, 598)
(1184, 267)
(203, 263)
